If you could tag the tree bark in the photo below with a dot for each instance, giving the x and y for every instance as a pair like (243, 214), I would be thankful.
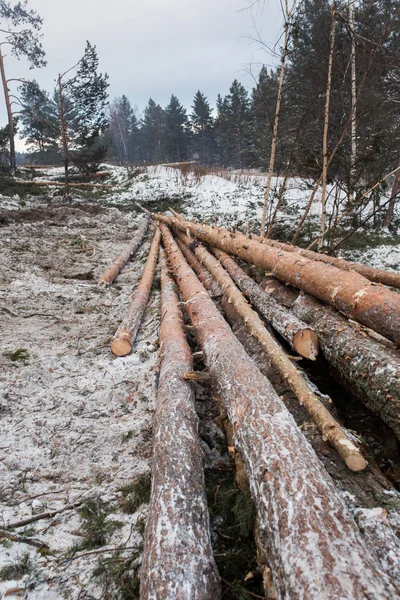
(377, 275)
(127, 331)
(300, 337)
(119, 263)
(64, 135)
(369, 370)
(13, 160)
(393, 196)
(329, 427)
(370, 304)
(178, 562)
(313, 546)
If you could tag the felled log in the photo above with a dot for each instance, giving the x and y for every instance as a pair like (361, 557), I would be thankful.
(301, 337)
(372, 305)
(178, 561)
(313, 546)
(377, 275)
(330, 428)
(368, 369)
(119, 263)
(125, 336)
(62, 184)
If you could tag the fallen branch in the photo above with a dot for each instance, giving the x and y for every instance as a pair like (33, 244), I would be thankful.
(372, 305)
(178, 504)
(14, 537)
(119, 263)
(329, 427)
(128, 330)
(47, 515)
(313, 546)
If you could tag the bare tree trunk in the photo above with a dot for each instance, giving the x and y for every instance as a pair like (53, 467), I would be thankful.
(128, 330)
(288, 14)
(119, 263)
(372, 305)
(64, 136)
(393, 196)
(313, 546)
(369, 370)
(13, 161)
(353, 158)
(178, 561)
(326, 128)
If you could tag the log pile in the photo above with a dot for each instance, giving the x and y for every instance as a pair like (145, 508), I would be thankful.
(304, 305)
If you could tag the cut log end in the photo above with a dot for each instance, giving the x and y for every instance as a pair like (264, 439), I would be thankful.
(356, 462)
(121, 346)
(305, 342)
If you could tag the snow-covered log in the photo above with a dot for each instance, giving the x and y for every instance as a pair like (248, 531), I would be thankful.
(370, 304)
(313, 546)
(119, 263)
(125, 336)
(329, 427)
(368, 369)
(178, 562)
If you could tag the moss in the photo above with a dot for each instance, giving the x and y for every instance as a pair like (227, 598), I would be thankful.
(18, 354)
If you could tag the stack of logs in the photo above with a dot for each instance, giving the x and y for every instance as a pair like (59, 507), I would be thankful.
(311, 303)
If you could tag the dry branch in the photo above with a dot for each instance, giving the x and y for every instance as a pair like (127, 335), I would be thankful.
(313, 546)
(357, 297)
(119, 263)
(127, 331)
(369, 370)
(329, 427)
(177, 558)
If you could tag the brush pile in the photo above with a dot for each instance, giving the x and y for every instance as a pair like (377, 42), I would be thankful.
(305, 304)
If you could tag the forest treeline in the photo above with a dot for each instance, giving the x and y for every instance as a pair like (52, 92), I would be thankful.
(237, 132)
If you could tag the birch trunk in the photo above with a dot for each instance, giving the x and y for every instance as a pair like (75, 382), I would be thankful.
(347, 291)
(119, 263)
(128, 330)
(326, 128)
(314, 548)
(178, 562)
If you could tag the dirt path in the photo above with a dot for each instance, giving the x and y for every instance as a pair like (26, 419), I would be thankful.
(77, 419)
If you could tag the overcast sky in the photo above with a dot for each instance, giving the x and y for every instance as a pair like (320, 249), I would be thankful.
(152, 48)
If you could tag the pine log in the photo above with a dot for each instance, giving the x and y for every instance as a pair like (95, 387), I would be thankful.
(62, 184)
(127, 331)
(119, 263)
(314, 548)
(178, 562)
(368, 369)
(370, 304)
(301, 337)
(329, 427)
(377, 275)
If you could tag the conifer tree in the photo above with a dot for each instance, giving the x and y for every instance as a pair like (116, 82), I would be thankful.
(40, 126)
(151, 132)
(20, 29)
(176, 134)
(202, 124)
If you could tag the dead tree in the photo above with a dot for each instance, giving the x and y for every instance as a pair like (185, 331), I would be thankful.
(347, 291)
(178, 562)
(313, 546)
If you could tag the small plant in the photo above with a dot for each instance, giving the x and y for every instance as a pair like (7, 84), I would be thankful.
(119, 576)
(18, 569)
(136, 493)
(128, 435)
(18, 354)
(96, 528)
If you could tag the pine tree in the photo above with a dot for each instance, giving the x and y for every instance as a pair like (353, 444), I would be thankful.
(151, 132)
(263, 103)
(40, 126)
(203, 142)
(176, 134)
(22, 34)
